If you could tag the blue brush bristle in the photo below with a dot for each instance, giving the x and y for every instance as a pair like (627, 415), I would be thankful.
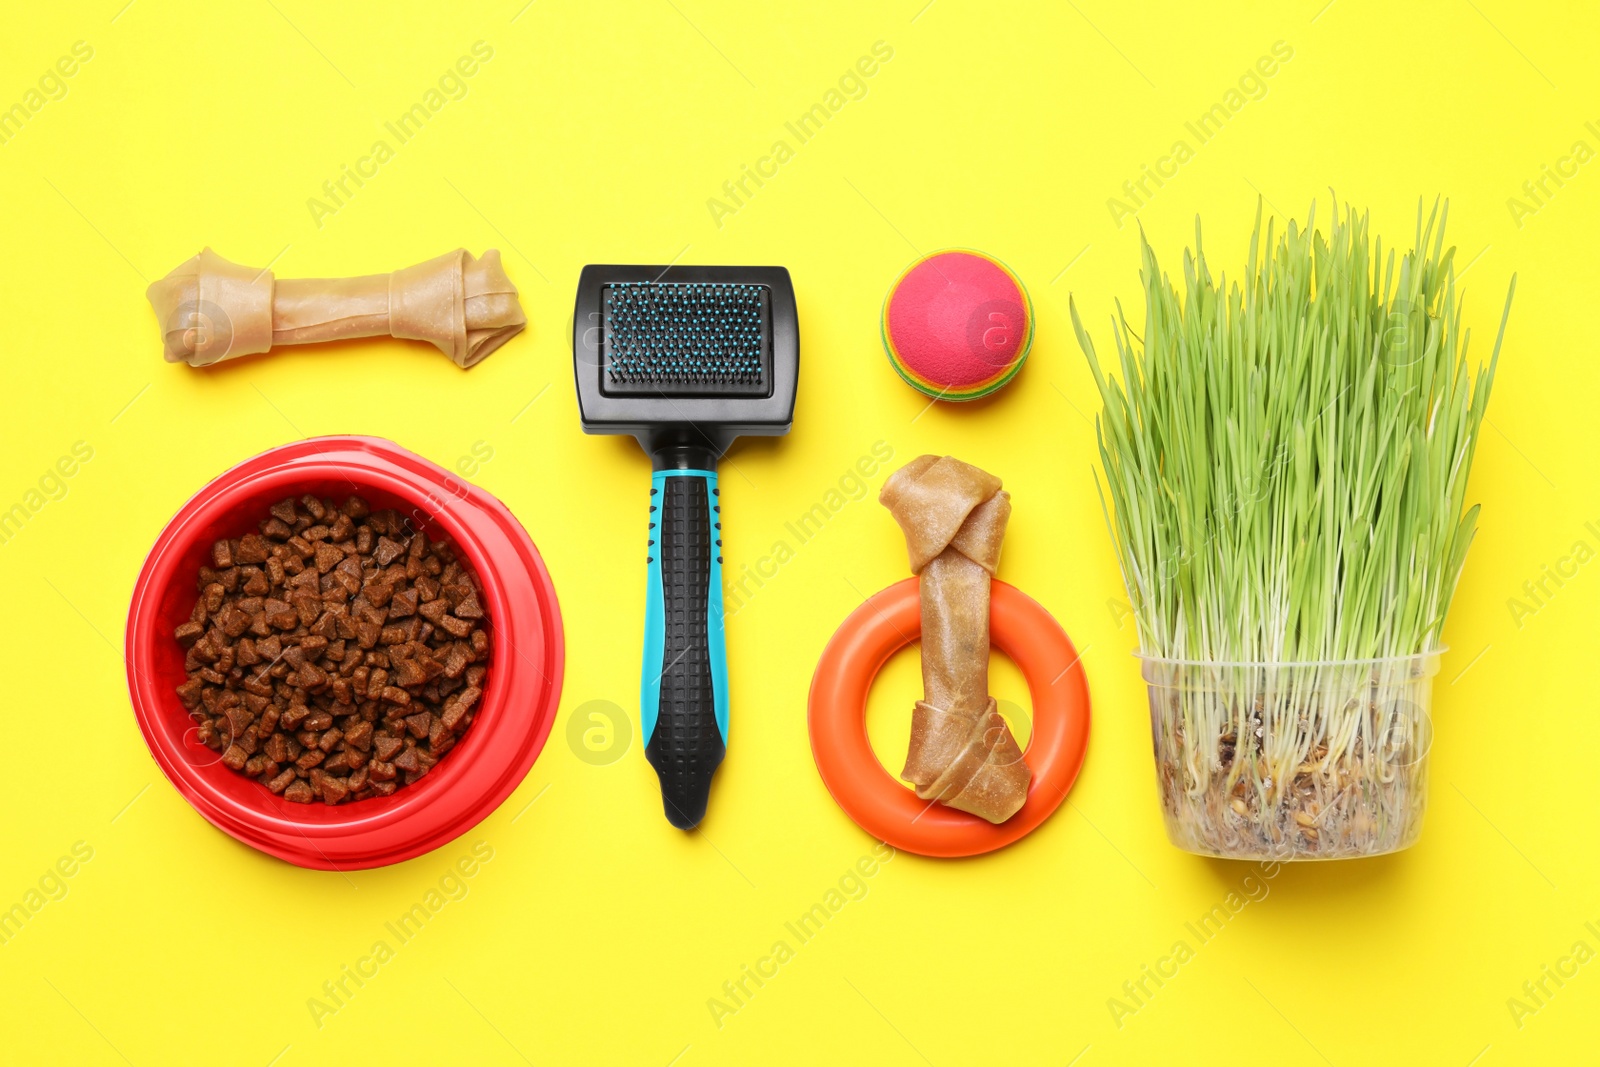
(686, 334)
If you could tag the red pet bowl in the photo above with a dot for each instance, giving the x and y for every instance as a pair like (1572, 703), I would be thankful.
(521, 689)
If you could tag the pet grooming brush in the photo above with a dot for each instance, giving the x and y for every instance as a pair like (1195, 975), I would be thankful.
(685, 359)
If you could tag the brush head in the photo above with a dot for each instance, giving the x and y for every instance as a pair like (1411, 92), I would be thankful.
(686, 338)
(686, 356)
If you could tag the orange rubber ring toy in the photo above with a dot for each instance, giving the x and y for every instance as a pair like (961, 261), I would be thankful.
(889, 621)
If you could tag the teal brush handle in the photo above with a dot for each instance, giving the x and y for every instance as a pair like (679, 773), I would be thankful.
(683, 697)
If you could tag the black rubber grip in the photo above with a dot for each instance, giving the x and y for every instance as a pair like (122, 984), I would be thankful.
(686, 745)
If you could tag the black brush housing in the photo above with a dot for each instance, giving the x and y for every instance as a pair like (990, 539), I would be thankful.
(686, 358)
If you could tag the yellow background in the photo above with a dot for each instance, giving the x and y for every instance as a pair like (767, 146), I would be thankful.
(597, 133)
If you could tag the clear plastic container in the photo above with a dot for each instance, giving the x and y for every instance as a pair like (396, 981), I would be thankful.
(1292, 761)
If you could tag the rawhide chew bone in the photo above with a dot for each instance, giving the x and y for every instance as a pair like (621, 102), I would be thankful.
(962, 752)
(211, 309)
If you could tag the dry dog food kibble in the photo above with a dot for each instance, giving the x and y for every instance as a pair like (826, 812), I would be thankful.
(337, 654)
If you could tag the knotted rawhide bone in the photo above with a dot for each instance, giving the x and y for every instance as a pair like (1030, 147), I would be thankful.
(211, 310)
(962, 753)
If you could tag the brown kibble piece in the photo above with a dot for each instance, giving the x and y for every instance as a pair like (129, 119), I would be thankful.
(253, 548)
(455, 627)
(308, 608)
(378, 591)
(366, 611)
(328, 557)
(454, 714)
(386, 553)
(309, 676)
(456, 659)
(367, 633)
(403, 605)
(359, 736)
(468, 607)
(440, 736)
(233, 621)
(409, 672)
(189, 691)
(279, 614)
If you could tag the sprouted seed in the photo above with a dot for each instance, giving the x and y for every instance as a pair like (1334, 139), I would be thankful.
(1285, 462)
